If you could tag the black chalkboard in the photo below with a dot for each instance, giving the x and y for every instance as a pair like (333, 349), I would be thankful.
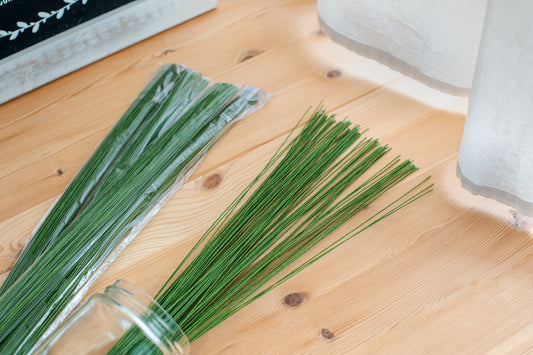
(24, 23)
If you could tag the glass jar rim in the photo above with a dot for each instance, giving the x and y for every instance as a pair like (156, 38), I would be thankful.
(131, 299)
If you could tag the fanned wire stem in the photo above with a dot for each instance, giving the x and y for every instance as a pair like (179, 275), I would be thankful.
(312, 185)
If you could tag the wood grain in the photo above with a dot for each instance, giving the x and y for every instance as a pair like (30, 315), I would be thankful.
(448, 275)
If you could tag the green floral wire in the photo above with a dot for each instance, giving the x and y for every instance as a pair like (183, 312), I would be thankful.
(35, 300)
(306, 191)
(67, 207)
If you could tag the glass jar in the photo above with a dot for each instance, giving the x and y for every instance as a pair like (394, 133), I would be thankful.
(102, 321)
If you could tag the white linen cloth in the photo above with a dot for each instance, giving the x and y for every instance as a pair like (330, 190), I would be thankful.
(479, 47)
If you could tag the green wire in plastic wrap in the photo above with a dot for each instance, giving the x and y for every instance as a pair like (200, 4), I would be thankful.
(147, 155)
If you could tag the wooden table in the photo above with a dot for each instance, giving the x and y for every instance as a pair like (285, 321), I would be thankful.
(449, 275)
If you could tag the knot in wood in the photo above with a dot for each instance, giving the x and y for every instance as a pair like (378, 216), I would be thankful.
(333, 73)
(294, 299)
(327, 334)
(212, 181)
(250, 53)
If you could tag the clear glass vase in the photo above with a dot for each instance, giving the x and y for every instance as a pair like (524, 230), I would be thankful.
(101, 322)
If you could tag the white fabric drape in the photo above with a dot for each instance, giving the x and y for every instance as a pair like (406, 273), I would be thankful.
(480, 47)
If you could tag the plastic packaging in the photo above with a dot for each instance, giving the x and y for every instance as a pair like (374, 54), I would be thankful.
(65, 208)
(104, 318)
(125, 198)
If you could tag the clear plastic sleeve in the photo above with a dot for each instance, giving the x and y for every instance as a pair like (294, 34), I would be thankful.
(174, 138)
(67, 206)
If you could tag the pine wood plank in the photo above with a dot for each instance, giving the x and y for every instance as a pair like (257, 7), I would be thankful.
(47, 146)
(448, 275)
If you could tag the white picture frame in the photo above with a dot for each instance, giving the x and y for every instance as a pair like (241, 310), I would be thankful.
(91, 41)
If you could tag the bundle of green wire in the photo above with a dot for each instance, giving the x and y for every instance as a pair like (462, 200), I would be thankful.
(311, 186)
(155, 144)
